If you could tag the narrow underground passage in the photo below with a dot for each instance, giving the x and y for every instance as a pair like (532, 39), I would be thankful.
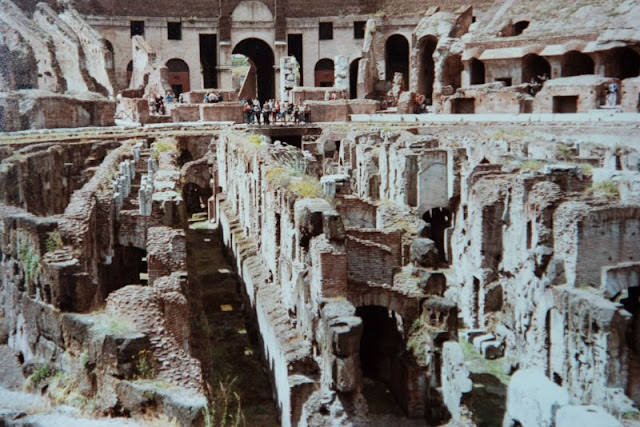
(223, 336)
(381, 347)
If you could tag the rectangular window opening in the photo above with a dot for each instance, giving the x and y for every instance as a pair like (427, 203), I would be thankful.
(174, 30)
(358, 29)
(326, 31)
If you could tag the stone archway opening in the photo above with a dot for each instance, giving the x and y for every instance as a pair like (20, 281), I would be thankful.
(624, 63)
(477, 72)
(261, 55)
(535, 67)
(439, 220)
(324, 73)
(426, 73)
(576, 63)
(353, 78)
(396, 55)
(381, 348)
(195, 198)
(109, 57)
(178, 76)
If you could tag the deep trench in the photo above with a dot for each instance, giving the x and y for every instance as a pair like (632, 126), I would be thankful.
(223, 334)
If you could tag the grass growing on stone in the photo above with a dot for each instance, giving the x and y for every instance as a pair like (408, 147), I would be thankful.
(111, 325)
(39, 375)
(477, 364)
(293, 180)
(54, 241)
(606, 189)
(418, 340)
(531, 165)
(30, 260)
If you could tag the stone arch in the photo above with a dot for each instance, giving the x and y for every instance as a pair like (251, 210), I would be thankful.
(109, 54)
(534, 66)
(426, 70)
(477, 72)
(251, 11)
(576, 63)
(396, 57)
(624, 62)
(178, 75)
(324, 73)
(353, 78)
(262, 57)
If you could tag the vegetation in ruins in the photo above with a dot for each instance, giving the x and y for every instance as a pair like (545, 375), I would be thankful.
(112, 325)
(531, 165)
(222, 400)
(39, 375)
(143, 364)
(300, 184)
(564, 152)
(54, 241)
(29, 259)
(162, 146)
(604, 189)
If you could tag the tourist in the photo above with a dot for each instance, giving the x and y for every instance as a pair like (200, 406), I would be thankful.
(169, 97)
(274, 113)
(290, 108)
(296, 114)
(256, 111)
(152, 105)
(181, 98)
(246, 109)
(307, 114)
(266, 112)
(612, 95)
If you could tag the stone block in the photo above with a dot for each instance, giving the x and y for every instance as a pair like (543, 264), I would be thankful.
(455, 377)
(585, 416)
(423, 252)
(532, 399)
(185, 113)
(345, 335)
(222, 112)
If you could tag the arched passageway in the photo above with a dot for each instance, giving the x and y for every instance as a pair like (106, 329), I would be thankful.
(426, 74)
(262, 57)
(535, 67)
(324, 73)
(576, 63)
(109, 60)
(178, 76)
(396, 55)
(477, 72)
(195, 198)
(439, 219)
(353, 78)
(623, 63)
(381, 348)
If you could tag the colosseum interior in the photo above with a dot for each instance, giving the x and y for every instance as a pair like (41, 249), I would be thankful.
(346, 213)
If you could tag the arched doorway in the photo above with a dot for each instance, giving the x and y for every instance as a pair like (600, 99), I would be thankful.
(624, 63)
(534, 67)
(178, 76)
(452, 71)
(262, 58)
(353, 78)
(477, 72)
(426, 74)
(576, 63)
(396, 56)
(381, 349)
(324, 73)
(109, 62)
(195, 198)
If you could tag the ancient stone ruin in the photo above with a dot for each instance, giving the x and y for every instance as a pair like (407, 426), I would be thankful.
(445, 232)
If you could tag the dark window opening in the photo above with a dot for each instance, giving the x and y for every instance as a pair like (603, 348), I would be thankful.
(535, 68)
(358, 29)
(463, 106)
(477, 72)
(565, 104)
(137, 28)
(476, 301)
(325, 31)
(576, 63)
(440, 220)
(529, 234)
(324, 73)
(505, 80)
(294, 48)
(426, 74)
(353, 78)
(209, 60)
(174, 30)
(623, 63)
(196, 198)
(519, 27)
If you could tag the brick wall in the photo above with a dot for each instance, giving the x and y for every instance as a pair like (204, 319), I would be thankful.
(373, 255)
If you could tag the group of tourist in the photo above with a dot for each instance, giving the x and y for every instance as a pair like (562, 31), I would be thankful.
(273, 111)
(212, 98)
